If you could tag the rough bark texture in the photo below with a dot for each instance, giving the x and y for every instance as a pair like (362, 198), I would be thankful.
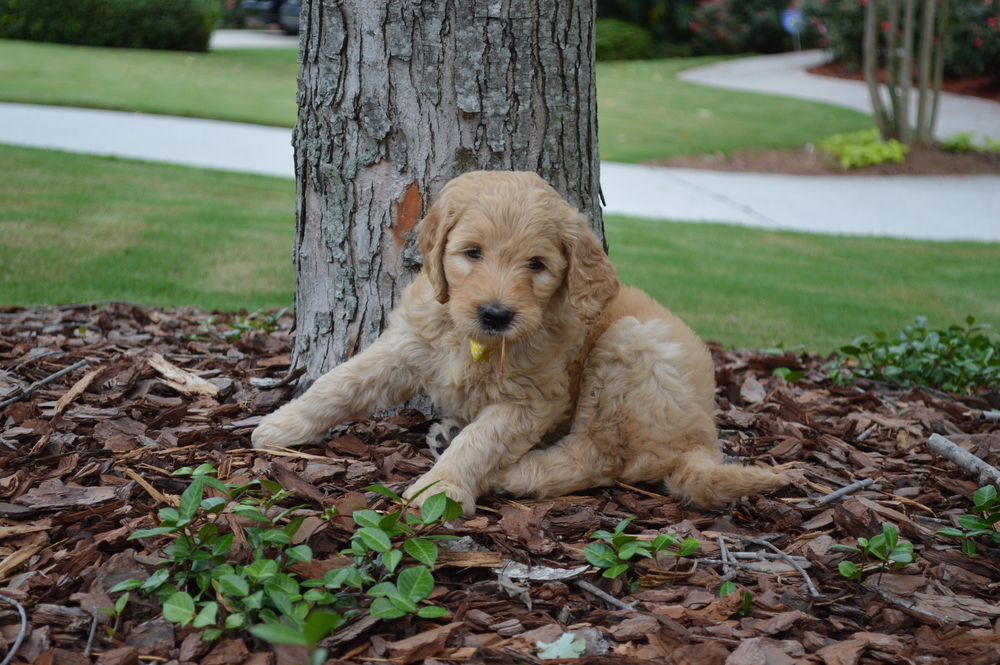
(395, 99)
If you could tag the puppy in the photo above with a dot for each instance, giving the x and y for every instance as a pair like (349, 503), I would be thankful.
(557, 377)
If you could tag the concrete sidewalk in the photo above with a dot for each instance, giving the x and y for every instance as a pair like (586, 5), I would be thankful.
(785, 74)
(924, 207)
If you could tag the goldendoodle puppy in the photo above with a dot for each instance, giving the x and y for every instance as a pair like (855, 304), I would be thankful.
(557, 378)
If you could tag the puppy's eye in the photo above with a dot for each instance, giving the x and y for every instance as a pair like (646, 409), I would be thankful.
(535, 264)
(475, 253)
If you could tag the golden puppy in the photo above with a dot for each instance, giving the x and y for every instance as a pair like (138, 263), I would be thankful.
(581, 383)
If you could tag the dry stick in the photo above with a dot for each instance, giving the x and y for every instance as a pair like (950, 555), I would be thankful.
(607, 597)
(984, 472)
(35, 386)
(21, 634)
(991, 416)
(727, 572)
(793, 562)
(93, 633)
(853, 487)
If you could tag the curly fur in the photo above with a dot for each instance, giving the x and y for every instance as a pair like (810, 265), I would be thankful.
(600, 383)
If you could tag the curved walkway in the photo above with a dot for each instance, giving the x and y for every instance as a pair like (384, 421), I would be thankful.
(924, 207)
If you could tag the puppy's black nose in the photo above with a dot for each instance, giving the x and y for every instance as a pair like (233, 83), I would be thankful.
(495, 318)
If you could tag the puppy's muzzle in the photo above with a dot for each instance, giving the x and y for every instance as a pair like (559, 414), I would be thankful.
(494, 318)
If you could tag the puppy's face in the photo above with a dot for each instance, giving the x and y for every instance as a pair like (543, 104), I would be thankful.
(500, 246)
(503, 263)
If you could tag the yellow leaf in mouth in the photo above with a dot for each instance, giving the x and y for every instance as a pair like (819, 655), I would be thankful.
(479, 352)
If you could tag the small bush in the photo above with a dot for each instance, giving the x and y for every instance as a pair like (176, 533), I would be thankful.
(178, 25)
(743, 26)
(666, 20)
(863, 149)
(619, 40)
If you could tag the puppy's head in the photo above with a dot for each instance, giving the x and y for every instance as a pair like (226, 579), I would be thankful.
(498, 246)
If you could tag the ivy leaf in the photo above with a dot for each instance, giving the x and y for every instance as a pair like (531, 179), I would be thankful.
(179, 608)
(600, 555)
(391, 559)
(207, 615)
(415, 583)
(375, 539)
(432, 612)
(280, 634)
(191, 498)
(382, 608)
(423, 550)
(234, 585)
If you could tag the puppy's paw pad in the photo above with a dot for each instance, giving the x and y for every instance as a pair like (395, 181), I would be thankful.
(440, 436)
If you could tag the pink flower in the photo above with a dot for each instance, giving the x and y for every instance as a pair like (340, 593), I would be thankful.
(822, 29)
(719, 34)
(885, 26)
(977, 42)
(992, 20)
(720, 16)
(822, 42)
(693, 27)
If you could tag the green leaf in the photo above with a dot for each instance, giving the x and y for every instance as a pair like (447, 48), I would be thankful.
(415, 583)
(121, 603)
(179, 608)
(206, 617)
(191, 498)
(663, 541)
(600, 555)
(251, 513)
(621, 525)
(126, 585)
(727, 588)
(391, 559)
(950, 532)
(382, 608)
(616, 571)
(367, 518)
(262, 569)
(849, 570)
(383, 589)
(973, 522)
(150, 533)
(155, 580)
(384, 491)
(375, 539)
(969, 548)
(222, 545)
(433, 508)
(210, 635)
(432, 612)
(320, 624)
(213, 504)
(403, 603)
(234, 585)
(301, 553)
(236, 621)
(747, 603)
(689, 546)
(280, 634)
(423, 550)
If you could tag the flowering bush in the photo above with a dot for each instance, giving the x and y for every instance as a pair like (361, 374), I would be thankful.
(743, 26)
(973, 41)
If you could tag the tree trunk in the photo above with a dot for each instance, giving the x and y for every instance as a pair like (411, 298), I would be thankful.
(396, 97)
(870, 65)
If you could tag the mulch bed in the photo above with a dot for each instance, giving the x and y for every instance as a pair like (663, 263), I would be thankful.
(920, 160)
(82, 469)
(984, 85)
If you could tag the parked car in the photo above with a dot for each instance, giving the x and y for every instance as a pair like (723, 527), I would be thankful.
(283, 12)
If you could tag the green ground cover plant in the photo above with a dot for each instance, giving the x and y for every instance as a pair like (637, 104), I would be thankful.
(644, 111)
(980, 523)
(865, 148)
(79, 228)
(958, 359)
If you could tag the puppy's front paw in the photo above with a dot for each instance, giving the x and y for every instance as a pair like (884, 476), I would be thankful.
(454, 492)
(281, 430)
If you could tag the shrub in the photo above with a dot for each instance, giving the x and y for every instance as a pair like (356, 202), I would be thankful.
(973, 41)
(666, 20)
(619, 40)
(743, 26)
(179, 25)
(863, 149)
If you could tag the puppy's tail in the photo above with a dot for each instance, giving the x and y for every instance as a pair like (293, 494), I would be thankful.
(704, 480)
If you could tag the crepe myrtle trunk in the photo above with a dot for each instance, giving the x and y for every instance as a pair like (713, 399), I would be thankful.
(395, 99)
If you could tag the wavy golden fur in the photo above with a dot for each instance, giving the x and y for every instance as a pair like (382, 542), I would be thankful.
(600, 383)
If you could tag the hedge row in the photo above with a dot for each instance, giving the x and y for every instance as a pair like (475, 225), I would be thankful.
(179, 25)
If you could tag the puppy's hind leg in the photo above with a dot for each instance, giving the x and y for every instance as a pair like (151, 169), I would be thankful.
(572, 464)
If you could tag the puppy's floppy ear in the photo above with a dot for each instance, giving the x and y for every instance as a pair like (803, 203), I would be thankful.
(432, 238)
(591, 279)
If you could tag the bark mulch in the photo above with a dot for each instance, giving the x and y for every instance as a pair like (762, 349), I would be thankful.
(85, 460)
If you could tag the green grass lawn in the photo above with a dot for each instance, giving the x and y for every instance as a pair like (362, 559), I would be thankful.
(77, 228)
(253, 85)
(644, 112)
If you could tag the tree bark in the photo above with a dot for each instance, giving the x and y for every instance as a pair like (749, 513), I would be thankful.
(870, 65)
(396, 97)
